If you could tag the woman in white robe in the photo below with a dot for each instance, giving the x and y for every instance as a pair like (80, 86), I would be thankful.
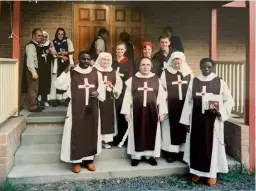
(175, 66)
(114, 85)
(218, 161)
(127, 110)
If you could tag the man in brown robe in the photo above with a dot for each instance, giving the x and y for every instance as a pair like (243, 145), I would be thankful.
(81, 136)
(143, 95)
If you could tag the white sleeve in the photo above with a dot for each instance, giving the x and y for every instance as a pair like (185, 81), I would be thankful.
(228, 102)
(32, 61)
(70, 45)
(100, 45)
(117, 90)
(127, 101)
(161, 99)
(188, 106)
(63, 81)
(101, 88)
(163, 80)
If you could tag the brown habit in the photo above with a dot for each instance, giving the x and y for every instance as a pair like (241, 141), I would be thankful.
(202, 126)
(84, 133)
(107, 117)
(145, 119)
(175, 106)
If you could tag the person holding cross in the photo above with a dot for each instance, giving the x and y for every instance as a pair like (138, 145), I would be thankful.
(114, 85)
(175, 79)
(82, 130)
(144, 106)
(207, 106)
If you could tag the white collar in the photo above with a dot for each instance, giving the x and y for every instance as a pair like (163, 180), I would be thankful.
(139, 75)
(210, 77)
(83, 71)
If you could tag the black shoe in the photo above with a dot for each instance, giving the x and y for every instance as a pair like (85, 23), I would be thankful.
(36, 110)
(135, 162)
(152, 161)
(67, 102)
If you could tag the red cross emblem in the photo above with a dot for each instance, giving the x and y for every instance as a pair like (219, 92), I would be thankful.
(203, 94)
(87, 85)
(145, 89)
(179, 82)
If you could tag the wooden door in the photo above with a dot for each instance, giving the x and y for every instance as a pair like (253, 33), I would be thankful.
(89, 18)
(128, 19)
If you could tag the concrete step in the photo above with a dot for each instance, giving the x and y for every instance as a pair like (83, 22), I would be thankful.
(49, 115)
(50, 153)
(106, 169)
(42, 135)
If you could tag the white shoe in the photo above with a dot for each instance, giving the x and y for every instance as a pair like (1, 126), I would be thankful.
(46, 104)
(106, 146)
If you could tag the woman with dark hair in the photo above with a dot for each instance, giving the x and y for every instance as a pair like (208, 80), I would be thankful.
(65, 50)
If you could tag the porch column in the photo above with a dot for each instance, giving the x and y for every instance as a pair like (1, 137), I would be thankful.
(16, 42)
(16, 30)
(213, 40)
(250, 118)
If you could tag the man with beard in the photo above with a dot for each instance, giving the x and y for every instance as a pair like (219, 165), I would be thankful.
(81, 136)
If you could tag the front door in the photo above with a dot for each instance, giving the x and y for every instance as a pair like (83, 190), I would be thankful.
(89, 18)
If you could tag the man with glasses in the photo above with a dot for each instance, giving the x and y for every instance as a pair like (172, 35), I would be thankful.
(34, 57)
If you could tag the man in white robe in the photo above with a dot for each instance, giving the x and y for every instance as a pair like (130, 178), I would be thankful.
(81, 136)
(113, 87)
(144, 106)
(175, 79)
(207, 106)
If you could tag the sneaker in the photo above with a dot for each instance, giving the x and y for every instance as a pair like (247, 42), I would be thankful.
(46, 104)
(106, 146)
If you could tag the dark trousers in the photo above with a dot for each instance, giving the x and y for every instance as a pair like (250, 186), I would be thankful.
(32, 91)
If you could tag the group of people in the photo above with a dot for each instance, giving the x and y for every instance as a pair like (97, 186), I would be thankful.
(154, 103)
(44, 61)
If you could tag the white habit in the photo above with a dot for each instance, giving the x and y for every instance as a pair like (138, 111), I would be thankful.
(63, 82)
(218, 159)
(165, 125)
(127, 108)
(117, 90)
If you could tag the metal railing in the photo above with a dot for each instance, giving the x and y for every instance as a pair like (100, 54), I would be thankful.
(233, 73)
(8, 88)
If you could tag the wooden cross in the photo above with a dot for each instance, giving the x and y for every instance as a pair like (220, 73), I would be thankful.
(179, 83)
(86, 86)
(203, 94)
(145, 89)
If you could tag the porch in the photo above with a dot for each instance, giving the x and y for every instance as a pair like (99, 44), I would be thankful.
(238, 135)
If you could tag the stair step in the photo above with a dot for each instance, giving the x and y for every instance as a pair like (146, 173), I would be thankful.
(50, 153)
(106, 169)
(42, 135)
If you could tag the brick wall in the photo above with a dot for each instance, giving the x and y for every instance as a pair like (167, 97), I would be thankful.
(190, 21)
(10, 135)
